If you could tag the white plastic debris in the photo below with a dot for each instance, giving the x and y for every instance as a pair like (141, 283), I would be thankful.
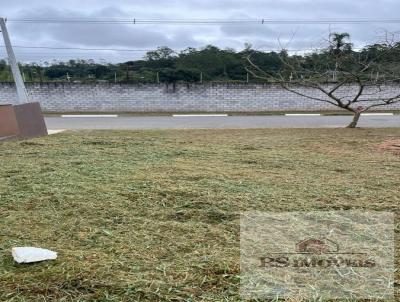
(32, 254)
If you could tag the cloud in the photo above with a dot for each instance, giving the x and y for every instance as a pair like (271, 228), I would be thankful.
(90, 35)
(175, 36)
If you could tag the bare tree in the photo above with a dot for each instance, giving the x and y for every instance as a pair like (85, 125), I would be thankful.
(356, 81)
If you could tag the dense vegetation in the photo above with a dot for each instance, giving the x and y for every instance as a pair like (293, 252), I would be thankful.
(206, 64)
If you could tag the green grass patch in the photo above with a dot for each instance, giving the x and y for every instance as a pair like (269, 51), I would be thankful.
(154, 215)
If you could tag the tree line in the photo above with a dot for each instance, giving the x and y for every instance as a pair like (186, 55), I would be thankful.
(207, 64)
(162, 65)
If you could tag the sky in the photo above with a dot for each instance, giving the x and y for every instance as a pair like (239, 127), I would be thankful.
(126, 36)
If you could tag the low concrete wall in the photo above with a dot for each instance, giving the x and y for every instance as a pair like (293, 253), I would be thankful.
(66, 97)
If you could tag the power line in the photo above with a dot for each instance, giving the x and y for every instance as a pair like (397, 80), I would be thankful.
(134, 21)
(80, 48)
(134, 50)
(55, 53)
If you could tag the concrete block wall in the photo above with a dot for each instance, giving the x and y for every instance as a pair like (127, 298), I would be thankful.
(71, 97)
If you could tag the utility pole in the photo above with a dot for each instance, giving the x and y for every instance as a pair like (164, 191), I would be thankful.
(19, 83)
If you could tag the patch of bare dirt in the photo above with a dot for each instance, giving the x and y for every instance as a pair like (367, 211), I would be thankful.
(391, 146)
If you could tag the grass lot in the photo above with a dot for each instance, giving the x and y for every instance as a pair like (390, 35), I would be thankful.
(154, 215)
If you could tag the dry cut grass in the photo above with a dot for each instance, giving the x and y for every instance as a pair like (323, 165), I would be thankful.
(154, 215)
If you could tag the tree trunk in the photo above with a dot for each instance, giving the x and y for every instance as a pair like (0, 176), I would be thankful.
(354, 122)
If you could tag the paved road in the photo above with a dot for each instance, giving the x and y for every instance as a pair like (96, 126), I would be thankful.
(169, 122)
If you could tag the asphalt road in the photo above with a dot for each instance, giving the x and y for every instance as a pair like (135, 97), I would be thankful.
(169, 122)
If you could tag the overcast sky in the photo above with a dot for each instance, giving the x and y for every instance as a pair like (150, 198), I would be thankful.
(183, 36)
